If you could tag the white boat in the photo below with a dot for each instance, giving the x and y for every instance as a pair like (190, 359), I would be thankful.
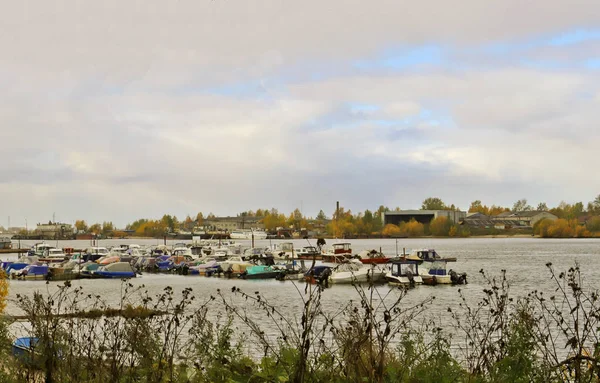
(40, 249)
(183, 251)
(338, 252)
(429, 255)
(283, 250)
(355, 272)
(308, 252)
(234, 265)
(434, 273)
(247, 234)
(404, 273)
(54, 255)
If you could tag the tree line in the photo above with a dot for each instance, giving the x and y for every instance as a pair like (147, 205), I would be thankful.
(345, 223)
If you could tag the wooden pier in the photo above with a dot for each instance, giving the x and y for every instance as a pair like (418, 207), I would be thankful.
(13, 251)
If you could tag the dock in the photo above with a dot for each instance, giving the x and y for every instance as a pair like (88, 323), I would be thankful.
(13, 251)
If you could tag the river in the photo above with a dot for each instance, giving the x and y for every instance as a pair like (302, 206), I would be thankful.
(524, 260)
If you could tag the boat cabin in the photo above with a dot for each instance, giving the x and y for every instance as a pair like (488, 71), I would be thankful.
(405, 268)
(427, 254)
(341, 248)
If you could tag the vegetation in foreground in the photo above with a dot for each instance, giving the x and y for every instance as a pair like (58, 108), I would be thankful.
(164, 338)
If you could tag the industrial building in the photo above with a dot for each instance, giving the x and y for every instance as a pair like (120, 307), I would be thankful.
(422, 216)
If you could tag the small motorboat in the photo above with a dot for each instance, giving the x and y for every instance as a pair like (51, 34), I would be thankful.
(308, 253)
(373, 257)
(21, 263)
(109, 259)
(94, 253)
(54, 255)
(338, 253)
(115, 270)
(404, 273)
(260, 272)
(430, 255)
(23, 348)
(85, 270)
(31, 272)
(354, 271)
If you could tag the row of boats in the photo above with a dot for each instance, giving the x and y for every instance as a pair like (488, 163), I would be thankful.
(336, 265)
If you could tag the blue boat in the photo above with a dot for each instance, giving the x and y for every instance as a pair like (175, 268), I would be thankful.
(115, 270)
(31, 272)
(24, 349)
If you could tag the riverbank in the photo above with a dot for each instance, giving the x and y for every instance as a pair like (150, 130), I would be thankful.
(218, 338)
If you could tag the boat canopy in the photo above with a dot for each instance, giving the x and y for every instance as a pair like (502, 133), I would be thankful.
(405, 268)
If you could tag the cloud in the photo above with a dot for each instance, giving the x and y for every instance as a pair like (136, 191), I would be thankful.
(120, 110)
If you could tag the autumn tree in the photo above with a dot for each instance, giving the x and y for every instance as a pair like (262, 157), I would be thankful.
(199, 219)
(368, 222)
(391, 230)
(188, 223)
(3, 290)
(81, 225)
(593, 207)
(413, 228)
(321, 216)
(521, 205)
(440, 226)
(107, 228)
(95, 228)
(593, 224)
(433, 203)
(476, 207)
(542, 206)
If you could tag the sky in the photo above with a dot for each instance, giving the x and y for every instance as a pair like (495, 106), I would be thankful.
(118, 110)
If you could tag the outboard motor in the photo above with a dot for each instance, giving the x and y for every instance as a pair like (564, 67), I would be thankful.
(458, 279)
(323, 278)
(411, 278)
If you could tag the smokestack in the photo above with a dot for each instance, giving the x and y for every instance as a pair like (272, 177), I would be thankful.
(337, 209)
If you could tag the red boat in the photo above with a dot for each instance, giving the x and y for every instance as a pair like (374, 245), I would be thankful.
(373, 257)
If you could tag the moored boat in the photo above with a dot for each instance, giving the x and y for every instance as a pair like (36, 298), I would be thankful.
(31, 272)
(115, 270)
(373, 257)
(308, 253)
(404, 273)
(337, 253)
(260, 272)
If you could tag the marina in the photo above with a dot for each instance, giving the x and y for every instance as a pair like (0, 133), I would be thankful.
(524, 260)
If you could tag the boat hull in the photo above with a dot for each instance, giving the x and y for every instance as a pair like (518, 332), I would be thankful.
(113, 274)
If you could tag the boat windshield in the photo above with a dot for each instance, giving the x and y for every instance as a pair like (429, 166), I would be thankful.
(405, 268)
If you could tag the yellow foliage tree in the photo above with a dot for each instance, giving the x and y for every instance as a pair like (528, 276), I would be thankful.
(453, 231)
(3, 290)
(440, 226)
(391, 230)
(413, 228)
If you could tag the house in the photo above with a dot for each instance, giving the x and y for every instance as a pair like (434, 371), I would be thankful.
(530, 218)
(498, 222)
(524, 218)
(228, 224)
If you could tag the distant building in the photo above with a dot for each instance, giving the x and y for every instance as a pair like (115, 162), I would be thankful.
(229, 224)
(507, 220)
(55, 230)
(422, 216)
(529, 218)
